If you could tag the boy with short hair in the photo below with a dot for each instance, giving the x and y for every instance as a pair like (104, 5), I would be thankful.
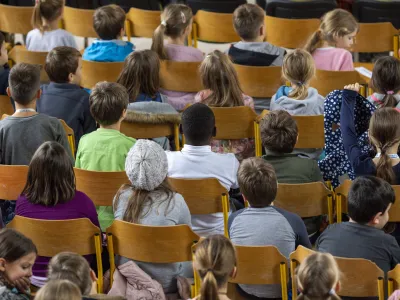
(369, 202)
(263, 224)
(109, 24)
(106, 148)
(196, 161)
(63, 98)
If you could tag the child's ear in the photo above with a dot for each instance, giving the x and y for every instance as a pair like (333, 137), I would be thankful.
(124, 114)
(234, 272)
(214, 133)
(375, 219)
(337, 287)
(2, 264)
(70, 77)
(38, 94)
(8, 91)
(262, 30)
(93, 275)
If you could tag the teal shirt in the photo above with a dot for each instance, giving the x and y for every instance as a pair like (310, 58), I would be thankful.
(103, 150)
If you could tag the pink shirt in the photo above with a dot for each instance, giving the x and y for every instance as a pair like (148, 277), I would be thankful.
(333, 59)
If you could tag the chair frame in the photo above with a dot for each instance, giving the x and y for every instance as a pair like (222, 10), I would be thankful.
(393, 279)
(5, 106)
(70, 136)
(296, 257)
(341, 192)
(10, 190)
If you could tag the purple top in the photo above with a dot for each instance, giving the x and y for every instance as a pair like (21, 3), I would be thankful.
(78, 207)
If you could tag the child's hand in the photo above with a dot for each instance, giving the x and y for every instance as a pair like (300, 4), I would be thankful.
(23, 284)
(353, 87)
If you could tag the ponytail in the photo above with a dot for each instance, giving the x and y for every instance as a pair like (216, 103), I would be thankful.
(384, 168)
(314, 41)
(389, 101)
(158, 41)
(46, 11)
(37, 21)
(209, 287)
(300, 91)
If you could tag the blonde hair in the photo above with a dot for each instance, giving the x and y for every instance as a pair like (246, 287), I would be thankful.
(337, 22)
(317, 277)
(215, 260)
(46, 11)
(174, 20)
(60, 290)
(218, 75)
(298, 68)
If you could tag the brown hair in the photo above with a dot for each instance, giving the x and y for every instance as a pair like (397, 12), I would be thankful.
(278, 131)
(14, 245)
(72, 267)
(60, 62)
(51, 178)
(337, 22)
(257, 181)
(174, 20)
(141, 74)
(107, 101)
(247, 21)
(60, 290)
(386, 79)
(384, 132)
(24, 82)
(298, 68)
(218, 75)
(46, 11)
(215, 261)
(108, 21)
(317, 277)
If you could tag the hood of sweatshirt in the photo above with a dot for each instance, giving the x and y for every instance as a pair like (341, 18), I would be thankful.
(376, 99)
(108, 51)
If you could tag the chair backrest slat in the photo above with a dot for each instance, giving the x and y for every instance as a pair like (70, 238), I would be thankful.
(328, 81)
(381, 33)
(15, 19)
(142, 23)
(79, 22)
(94, 72)
(12, 181)
(5, 106)
(180, 76)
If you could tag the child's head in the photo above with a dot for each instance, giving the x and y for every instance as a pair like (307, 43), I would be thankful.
(72, 267)
(108, 103)
(248, 21)
(45, 12)
(384, 133)
(141, 74)
(369, 201)
(109, 22)
(64, 65)
(318, 277)
(51, 178)
(176, 23)
(198, 124)
(386, 79)
(298, 68)
(24, 83)
(257, 182)
(218, 75)
(215, 261)
(278, 132)
(3, 51)
(17, 255)
(338, 28)
(60, 290)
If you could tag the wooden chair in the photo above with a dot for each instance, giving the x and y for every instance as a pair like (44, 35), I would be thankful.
(153, 244)
(306, 200)
(101, 187)
(79, 22)
(384, 36)
(94, 72)
(12, 181)
(235, 123)
(180, 76)
(213, 27)
(204, 196)
(296, 258)
(19, 54)
(341, 198)
(262, 82)
(52, 237)
(5, 106)
(259, 265)
(15, 19)
(393, 278)
(328, 81)
(70, 135)
(141, 23)
(289, 33)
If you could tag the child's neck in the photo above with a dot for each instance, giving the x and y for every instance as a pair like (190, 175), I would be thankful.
(30, 109)
(258, 39)
(53, 25)
(177, 41)
(326, 44)
(116, 126)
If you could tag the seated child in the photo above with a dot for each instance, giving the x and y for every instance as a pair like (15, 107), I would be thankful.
(369, 202)
(223, 90)
(109, 22)
(4, 68)
(26, 122)
(197, 161)
(262, 223)
(63, 98)
(47, 34)
(60, 290)
(176, 24)
(106, 148)
(328, 45)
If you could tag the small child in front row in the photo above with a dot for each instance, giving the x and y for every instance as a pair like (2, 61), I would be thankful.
(47, 34)
(109, 24)
(60, 290)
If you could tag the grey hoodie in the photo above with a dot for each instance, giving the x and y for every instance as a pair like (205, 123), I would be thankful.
(376, 99)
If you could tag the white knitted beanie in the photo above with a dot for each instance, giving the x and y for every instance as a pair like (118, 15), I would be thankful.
(146, 165)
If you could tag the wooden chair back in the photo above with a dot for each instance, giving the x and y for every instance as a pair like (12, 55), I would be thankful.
(289, 33)
(141, 23)
(5, 106)
(94, 72)
(12, 181)
(262, 82)
(101, 187)
(16, 19)
(341, 198)
(393, 279)
(70, 136)
(19, 54)
(180, 76)
(328, 81)
(306, 200)
(79, 22)
(296, 258)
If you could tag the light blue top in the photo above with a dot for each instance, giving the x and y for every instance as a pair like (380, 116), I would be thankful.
(108, 51)
(46, 41)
